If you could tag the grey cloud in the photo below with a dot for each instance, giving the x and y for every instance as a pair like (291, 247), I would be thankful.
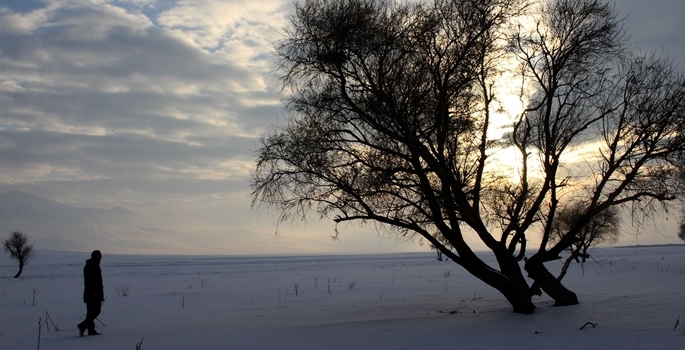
(125, 156)
(142, 111)
(656, 26)
(142, 190)
(101, 96)
(127, 68)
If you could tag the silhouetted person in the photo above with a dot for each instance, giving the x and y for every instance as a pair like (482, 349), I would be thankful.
(93, 293)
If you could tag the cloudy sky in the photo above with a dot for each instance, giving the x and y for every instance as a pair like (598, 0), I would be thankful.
(155, 106)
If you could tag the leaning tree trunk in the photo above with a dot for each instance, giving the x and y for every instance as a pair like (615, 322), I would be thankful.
(516, 291)
(518, 296)
(21, 269)
(574, 256)
(549, 284)
(510, 281)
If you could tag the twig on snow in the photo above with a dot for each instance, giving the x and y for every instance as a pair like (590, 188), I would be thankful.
(455, 311)
(586, 324)
(676, 323)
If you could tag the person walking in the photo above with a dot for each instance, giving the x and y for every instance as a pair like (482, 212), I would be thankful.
(93, 293)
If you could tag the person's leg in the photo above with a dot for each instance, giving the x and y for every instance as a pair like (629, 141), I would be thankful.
(82, 328)
(94, 309)
(85, 323)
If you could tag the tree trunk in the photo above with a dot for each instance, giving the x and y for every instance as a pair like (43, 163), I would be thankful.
(510, 282)
(549, 284)
(21, 269)
(517, 295)
(517, 289)
(574, 256)
(519, 299)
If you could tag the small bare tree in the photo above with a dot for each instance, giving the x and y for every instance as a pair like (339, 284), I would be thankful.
(17, 245)
(602, 228)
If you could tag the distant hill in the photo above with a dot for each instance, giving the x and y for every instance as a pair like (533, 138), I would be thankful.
(57, 226)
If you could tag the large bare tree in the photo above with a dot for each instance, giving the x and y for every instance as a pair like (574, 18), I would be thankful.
(393, 119)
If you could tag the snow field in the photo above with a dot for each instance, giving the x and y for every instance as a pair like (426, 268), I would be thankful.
(397, 301)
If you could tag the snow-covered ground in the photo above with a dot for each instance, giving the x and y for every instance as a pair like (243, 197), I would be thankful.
(399, 301)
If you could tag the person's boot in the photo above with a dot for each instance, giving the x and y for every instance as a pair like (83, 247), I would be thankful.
(93, 332)
(81, 329)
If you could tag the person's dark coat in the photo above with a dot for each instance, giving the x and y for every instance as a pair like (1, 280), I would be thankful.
(94, 291)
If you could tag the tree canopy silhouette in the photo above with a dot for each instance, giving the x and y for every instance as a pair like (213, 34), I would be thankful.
(394, 117)
(17, 245)
(602, 228)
